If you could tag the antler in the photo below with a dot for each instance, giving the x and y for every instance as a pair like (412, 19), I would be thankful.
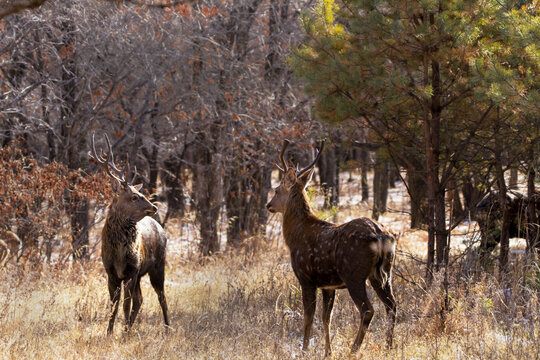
(283, 163)
(319, 151)
(108, 161)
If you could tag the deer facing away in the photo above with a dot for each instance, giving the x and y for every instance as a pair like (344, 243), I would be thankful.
(132, 244)
(330, 256)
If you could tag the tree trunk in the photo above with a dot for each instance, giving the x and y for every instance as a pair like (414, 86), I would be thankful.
(431, 128)
(80, 219)
(45, 113)
(245, 198)
(453, 197)
(174, 191)
(364, 163)
(513, 183)
(207, 185)
(265, 184)
(380, 185)
(327, 174)
(501, 184)
(153, 164)
(440, 229)
(417, 192)
(73, 139)
(532, 207)
(234, 199)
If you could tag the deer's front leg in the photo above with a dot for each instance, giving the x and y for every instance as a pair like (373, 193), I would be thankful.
(129, 289)
(328, 304)
(309, 298)
(114, 285)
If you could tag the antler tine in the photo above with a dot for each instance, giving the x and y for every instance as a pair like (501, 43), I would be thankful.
(111, 165)
(94, 155)
(319, 151)
(134, 175)
(107, 161)
(283, 163)
(128, 170)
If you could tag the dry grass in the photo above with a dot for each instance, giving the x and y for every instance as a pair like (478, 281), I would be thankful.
(248, 306)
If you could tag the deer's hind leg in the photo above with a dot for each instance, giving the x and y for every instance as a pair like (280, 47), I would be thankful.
(384, 292)
(157, 279)
(357, 290)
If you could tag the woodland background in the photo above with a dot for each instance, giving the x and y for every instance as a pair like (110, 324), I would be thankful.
(427, 107)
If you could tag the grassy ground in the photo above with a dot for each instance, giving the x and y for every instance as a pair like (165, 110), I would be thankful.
(246, 304)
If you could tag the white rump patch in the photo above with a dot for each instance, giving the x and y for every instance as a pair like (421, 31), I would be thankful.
(389, 246)
(375, 246)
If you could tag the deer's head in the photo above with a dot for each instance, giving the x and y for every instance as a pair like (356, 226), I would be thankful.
(291, 177)
(128, 200)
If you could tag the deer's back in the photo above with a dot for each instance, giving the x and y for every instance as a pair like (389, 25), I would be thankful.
(362, 243)
(326, 252)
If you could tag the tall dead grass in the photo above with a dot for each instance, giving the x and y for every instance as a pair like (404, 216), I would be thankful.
(247, 305)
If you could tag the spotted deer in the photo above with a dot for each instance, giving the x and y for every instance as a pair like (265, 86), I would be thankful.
(331, 256)
(132, 244)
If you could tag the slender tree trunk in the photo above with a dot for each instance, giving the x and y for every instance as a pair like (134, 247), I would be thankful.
(513, 183)
(265, 178)
(439, 187)
(234, 198)
(533, 241)
(364, 163)
(72, 141)
(152, 157)
(327, 174)
(45, 114)
(153, 164)
(380, 185)
(441, 231)
(430, 131)
(417, 192)
(501, 184)
(207, 186)
(455, 201)
(174, 191)
(207, 176)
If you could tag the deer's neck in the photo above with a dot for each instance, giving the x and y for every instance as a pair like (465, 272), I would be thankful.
(298, 219)
(119, 229)
(297, 204)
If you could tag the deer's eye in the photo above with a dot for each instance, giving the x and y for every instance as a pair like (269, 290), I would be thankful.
(134, 198)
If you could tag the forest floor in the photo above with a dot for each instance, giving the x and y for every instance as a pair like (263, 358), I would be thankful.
(246, 304)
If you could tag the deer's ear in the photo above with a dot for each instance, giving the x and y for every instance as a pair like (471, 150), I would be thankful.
(305, 178)
(138, 187)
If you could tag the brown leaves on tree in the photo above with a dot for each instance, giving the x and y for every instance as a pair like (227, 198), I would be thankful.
(32, 198)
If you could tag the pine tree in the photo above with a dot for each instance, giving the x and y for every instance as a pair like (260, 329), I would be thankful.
(429, 78)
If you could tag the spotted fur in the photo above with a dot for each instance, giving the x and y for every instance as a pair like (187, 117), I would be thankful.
(334, 256)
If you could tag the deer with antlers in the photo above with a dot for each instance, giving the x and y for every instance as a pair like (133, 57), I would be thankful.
(132, 243)
(330, 256)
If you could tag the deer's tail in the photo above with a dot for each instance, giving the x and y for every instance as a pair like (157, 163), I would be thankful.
(383, 269)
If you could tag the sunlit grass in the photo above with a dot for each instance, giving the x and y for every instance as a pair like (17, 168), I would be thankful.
(248, 306)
